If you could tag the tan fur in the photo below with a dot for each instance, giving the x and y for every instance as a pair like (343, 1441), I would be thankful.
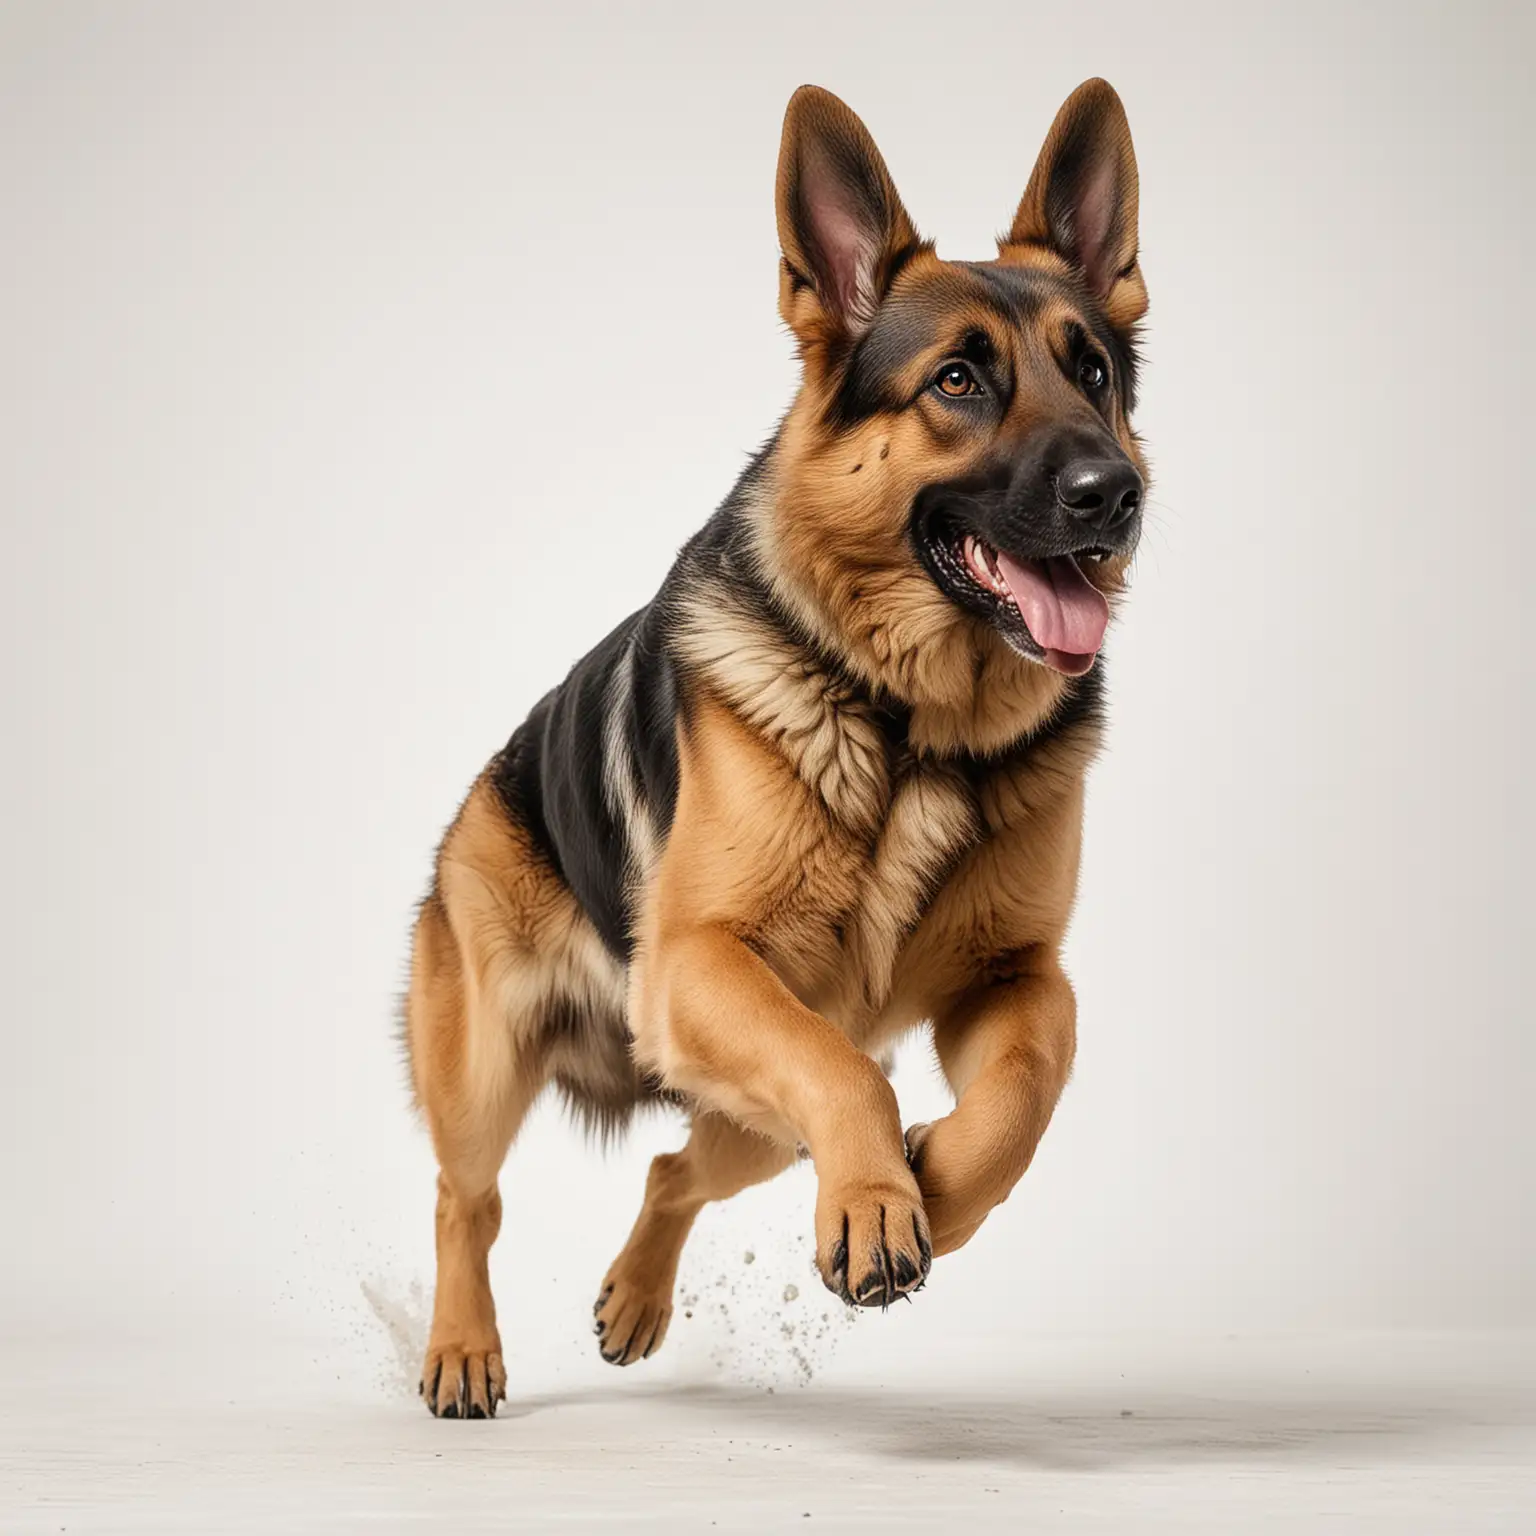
(831, 740)
(498, 940)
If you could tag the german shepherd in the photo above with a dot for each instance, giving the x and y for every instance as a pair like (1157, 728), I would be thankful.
(828, 784)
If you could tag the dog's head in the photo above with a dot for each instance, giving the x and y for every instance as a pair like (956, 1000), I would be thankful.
(959, 471)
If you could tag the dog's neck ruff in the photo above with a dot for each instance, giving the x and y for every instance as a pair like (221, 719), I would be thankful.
(958, 689)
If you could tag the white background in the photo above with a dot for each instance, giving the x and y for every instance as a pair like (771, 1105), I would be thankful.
(360, 366)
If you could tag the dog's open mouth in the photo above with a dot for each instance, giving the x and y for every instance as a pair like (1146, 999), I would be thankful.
(1063, 616)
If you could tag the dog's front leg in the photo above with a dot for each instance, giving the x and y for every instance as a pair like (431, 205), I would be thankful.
(716, 1022)
(1006, 1047)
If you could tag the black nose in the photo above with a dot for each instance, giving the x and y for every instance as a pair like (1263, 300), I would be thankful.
(1103, 492)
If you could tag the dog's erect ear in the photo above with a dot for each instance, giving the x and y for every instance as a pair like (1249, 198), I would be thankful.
(1081, 201)
(842, 228)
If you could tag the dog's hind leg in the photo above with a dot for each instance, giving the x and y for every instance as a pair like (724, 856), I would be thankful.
(482, 951)
(720, 1159)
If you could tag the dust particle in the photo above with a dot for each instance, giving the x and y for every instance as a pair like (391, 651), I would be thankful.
(791, 1292)
(406, 1319)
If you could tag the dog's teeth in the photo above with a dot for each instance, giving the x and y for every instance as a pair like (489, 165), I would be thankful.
(981, 559)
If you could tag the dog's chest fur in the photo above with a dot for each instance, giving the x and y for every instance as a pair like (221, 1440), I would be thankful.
(870, 838)
(899, 826)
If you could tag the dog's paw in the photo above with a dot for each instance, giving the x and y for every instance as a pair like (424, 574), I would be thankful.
(956, 1198)
(460, 1381)
(630, 1319)
(872, 1242)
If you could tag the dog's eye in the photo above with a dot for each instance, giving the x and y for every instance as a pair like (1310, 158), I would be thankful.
(1091, 373)
(955, 380)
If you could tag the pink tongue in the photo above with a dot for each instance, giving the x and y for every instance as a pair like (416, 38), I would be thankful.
(1063, 610)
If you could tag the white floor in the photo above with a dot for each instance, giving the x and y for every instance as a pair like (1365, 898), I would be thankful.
(1406, 1433)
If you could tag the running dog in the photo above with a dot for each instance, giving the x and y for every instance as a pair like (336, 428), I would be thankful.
(827, 786)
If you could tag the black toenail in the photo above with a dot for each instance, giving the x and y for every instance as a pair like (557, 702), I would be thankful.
(840, 1251)
(924, 1247)
(906, 1271)
(874, 1285)
(883, 1259)
(451, 1411)
(476, 1411)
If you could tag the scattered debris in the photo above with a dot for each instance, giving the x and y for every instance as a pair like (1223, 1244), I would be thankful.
(749, 1334)
(407, 1316)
